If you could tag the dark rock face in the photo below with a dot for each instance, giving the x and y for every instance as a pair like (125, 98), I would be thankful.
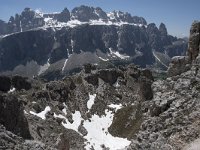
(5, 83)
(154, 35)
(12, 116)
(21, 83)
(26, 46)
(40, 45)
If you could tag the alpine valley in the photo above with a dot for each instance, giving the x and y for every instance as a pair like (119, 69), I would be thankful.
(91, 80)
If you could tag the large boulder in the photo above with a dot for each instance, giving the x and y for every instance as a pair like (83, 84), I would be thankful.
(126, 122)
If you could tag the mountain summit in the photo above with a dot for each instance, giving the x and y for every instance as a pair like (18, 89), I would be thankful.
(48, 44)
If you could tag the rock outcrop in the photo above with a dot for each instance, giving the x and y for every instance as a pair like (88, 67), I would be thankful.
(194, 41)
(184, 63)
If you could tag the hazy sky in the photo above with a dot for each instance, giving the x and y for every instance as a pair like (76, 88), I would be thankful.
(178, 15)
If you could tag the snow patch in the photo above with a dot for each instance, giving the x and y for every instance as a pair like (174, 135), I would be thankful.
(12, 90)
(77, 120)
(64, 110)
(91, 101)
(63, 68)
(111, 15)
(38, 13)
(116, 84)
(97, 128)
(58, 116)
(50, 22)
(159, 60)
(103, 59)
(116, 53)
(98, 134)
(115, 106)
(25, 112)
(41, 114)
(74, 23)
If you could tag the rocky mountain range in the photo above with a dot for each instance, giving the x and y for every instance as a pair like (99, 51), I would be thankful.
(44, 44)
(101, 109)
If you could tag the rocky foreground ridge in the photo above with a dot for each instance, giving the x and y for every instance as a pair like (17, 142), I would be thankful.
(118, 108)
(42, 44)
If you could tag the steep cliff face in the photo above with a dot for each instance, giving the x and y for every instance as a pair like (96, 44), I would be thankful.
(61, 46)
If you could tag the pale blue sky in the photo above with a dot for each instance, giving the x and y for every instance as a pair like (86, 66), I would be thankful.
(178, 15)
